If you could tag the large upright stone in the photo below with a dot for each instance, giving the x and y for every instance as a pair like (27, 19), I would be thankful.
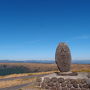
(63, 57)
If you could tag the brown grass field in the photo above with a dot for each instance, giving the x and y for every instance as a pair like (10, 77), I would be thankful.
(33, 69)
(37, 67)
(44, 67)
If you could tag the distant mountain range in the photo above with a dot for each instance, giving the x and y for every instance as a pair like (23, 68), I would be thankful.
(43, 61)
(81, 61)
(27, 61)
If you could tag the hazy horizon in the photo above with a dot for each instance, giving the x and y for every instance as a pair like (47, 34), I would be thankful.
(43, 59)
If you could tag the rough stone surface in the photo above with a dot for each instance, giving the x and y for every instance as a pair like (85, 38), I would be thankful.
(88, 82)
(63, 84)
(81, 85)
(54, 79)
(75, 89)
(73, 81)
(60, 80)
(69, 85)
(46, 80)
(43, 85)
(75, 85)
(86, 86)
(53, 88)
(63, 57)
(64, 88)
(84, 89)
(88, 75)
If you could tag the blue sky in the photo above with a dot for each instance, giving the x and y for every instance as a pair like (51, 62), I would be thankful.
(32, 29)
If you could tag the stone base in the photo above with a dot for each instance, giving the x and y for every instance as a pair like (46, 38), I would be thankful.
(67, 73)
(64, 81)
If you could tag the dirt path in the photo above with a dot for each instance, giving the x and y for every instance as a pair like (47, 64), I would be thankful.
(16, 87)
(22, 77)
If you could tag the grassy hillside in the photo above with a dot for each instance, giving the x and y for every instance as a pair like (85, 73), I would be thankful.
(15, 68)
(11, 68)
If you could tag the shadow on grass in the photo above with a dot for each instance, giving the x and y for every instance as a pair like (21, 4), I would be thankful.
(13, 70)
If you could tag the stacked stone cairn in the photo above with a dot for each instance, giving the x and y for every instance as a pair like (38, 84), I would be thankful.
(62, 84)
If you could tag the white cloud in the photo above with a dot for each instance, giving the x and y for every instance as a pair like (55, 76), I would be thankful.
(82, 37)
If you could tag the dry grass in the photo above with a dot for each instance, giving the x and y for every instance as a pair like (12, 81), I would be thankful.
(31, 87)
(26, 74)
(42, 68)
(10, 83)
(80, 68)
(45, 67)
(31, 65)
(12, 68)
(41, 73)
(14, 75)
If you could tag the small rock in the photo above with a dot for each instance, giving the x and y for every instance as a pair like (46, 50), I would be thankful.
(88, 82)
(84, 89)
(67, 81)
(74, 74)
(54, 88)
(56, 84)
(47, 87)
(73, 81)
(74, 89)
(88, 75)
(86, 86)
(65, 88)
(75, 85)
(81, 85)
(59, 88)
(79, 81)
(50, 84)
(54, 79)
(46, 80)
(63, 84)
(83, 81)
(60, 80)
(69, 85)
(43, 85)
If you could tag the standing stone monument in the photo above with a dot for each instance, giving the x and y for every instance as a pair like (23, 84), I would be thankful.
(63, 57)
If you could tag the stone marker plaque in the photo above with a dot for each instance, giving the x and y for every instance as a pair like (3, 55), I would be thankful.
(63, 57)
